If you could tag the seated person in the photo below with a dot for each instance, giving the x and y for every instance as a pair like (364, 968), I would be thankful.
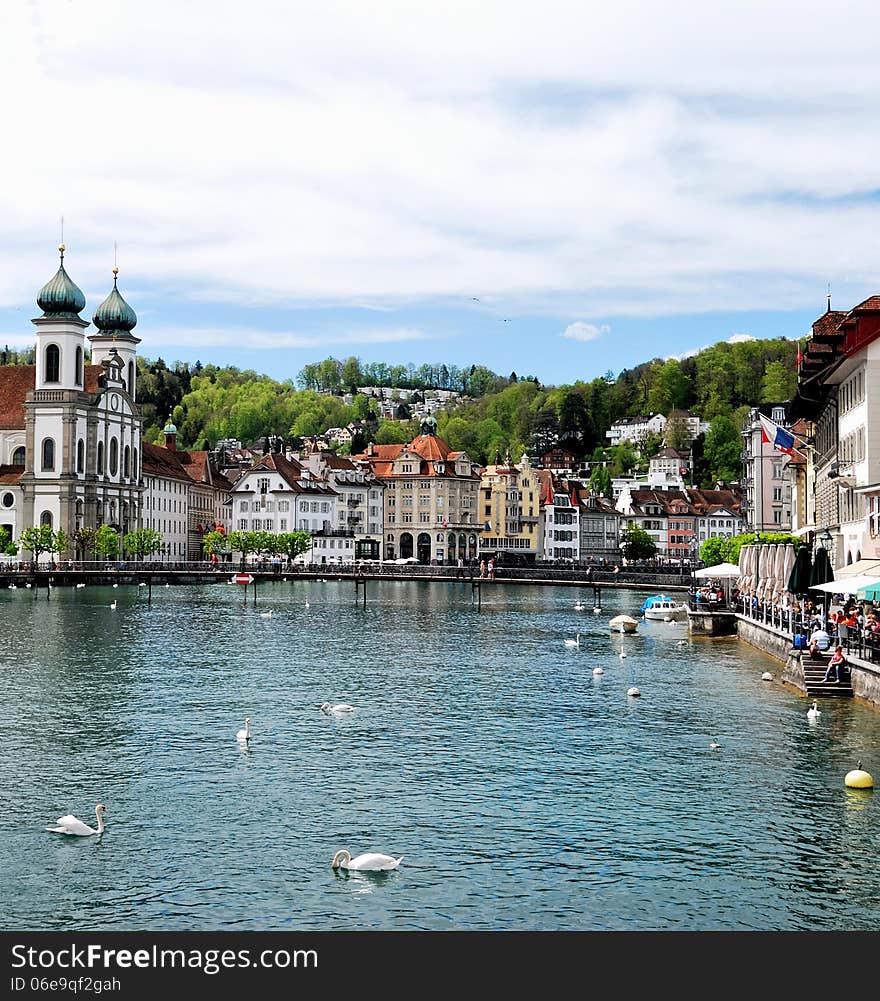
(821, 638)
(836, 664)
(813, 651)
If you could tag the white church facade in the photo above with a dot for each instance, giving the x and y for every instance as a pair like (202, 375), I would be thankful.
(70, 433)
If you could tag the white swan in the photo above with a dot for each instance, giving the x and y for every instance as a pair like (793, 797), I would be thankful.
(266, 615)
(28, 584)
(80, 585)
(623, 654)
(244, 736)
(116, 585)
(579, 606)
(575, 642)
(766, 676)
(113, 605)
(634, 692)
(598, 670)
(368, 862)
(73, 825)
(142, 584)
(715, 744)
(597, 610)
(339, 709)
(682, 643)
(814, 712)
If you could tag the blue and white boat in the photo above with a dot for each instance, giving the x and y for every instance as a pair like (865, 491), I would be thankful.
(664, 608)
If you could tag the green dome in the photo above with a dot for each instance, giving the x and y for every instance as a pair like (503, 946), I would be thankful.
(60, 296)
(169, 428)
(114, 315)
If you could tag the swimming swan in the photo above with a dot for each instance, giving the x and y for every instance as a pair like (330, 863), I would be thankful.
(368, 862)
(244, 736)
(113, 605)
(715, 744)
(73, 825)
(814, 712)
(579, 606)
(266, 615)
(575, 642)
(339, 709)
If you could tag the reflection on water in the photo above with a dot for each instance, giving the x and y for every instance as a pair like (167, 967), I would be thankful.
(524, 790)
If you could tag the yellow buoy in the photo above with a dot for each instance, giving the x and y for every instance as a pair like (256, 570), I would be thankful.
(858, 779)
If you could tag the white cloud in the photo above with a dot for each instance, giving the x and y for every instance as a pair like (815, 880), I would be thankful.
(581, 331)
(290, 153)
(258, 339)
(733, 339)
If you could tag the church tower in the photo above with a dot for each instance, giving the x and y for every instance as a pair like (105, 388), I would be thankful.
(114, 320)
(60, 333)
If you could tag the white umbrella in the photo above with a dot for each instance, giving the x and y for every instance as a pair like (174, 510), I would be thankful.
(778, 570)
(787, 566)
(847, 585)
(722, 570)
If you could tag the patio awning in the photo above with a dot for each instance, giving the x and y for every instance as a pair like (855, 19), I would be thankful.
(864, 566)
(847, 585)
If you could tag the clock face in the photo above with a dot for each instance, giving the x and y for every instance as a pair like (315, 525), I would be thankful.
(114, 401)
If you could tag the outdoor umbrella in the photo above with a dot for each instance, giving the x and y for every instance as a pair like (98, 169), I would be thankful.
(799, 576)
(788, 559)
(822, 570)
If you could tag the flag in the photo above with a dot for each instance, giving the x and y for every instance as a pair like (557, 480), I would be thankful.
(779, 438)
(800, 356)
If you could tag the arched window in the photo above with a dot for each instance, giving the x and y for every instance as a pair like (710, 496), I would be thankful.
(48, 453)
(100, 465)
(46, 518)
(79, 367)
(134, 463)
(18, 456)
(80, 456)
(126, 462)
(131, 379)
(53, 363)
(114, 456)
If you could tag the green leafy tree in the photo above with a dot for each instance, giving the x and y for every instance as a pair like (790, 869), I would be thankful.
(7, 546)
(714, 551)
(292, 544)
(241, 542)
(37, 540)
(213, 542)
(722, 450)
(636, 544)
(600, 481)
(60, 542)
(143, 542)
(107, 542)
(676, 434)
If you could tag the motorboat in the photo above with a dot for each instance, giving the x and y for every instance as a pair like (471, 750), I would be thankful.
(624, 624)
(664, 608)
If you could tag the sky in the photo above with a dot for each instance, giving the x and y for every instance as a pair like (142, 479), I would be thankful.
(557, 189)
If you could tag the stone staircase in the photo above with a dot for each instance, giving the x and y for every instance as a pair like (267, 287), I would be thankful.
(814, 671)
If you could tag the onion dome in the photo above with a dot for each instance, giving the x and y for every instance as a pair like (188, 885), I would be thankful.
(169, 428)
(60, 296)
(114, 315)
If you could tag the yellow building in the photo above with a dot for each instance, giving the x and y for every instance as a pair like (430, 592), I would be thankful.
(510, 509)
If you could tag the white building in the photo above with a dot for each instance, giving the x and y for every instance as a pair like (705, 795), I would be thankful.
(70, 433)
(635, 429)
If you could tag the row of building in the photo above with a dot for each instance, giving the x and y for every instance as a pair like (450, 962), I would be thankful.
(72, 457)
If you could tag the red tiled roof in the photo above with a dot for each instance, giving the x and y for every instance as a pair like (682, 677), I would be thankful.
(828, 322)
(870, 305)
(160, 461)
(10, 474)
(16, 381)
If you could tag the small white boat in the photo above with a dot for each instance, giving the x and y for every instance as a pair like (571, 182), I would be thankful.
(624, 624)
(664, 609)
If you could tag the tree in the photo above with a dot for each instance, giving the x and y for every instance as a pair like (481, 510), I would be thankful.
(292, 544)
(241, 542)
(636, 544)
(213, 542)
(676, 433)
(7, 546)
(714, 551)
(37, 540)
(143, 542)
(722, 449)
(84, 541)
(60, 542)
(107, 542)
(600, 481)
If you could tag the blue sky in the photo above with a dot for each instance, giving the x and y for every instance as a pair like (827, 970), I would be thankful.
(559, 189)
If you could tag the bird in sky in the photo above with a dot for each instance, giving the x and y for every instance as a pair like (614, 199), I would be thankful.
(505, 320)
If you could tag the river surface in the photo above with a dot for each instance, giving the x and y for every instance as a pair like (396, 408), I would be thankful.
(523, 791)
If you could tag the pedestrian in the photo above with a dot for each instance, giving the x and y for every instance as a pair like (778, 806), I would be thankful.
(460, 571)
(492, 569)
(836, 664)
(482, 568)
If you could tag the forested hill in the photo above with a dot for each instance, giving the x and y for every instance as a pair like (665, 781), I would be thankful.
(496, 414)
